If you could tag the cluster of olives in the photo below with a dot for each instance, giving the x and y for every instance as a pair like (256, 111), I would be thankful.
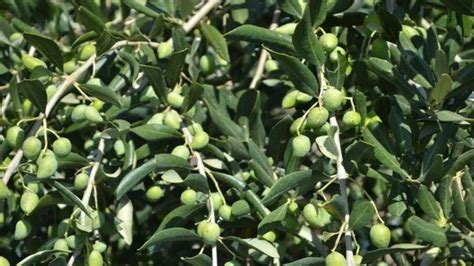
(85, 53)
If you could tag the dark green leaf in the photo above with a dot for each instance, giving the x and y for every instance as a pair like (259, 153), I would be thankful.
(216, 40)
(429, 204)
(259, 35)
(170, 235)
(371, 256)
(46, 46)
(277, 215)
(197, 182)
(289, 182)
(174, 67)
(154, 132)
(39, 257)
(361, 214)
(134, 177)
(102, 93)
(34, 90)
(157, 81)
(305, 41)
(180, 216)
(133, 4)
(105, 41)
(261, 245)
(70, 196)
(426, 231)
(315, 261)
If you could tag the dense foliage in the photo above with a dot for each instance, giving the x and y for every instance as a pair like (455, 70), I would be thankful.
(241, 132)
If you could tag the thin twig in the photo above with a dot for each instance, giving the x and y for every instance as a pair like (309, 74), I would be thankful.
(200, 14)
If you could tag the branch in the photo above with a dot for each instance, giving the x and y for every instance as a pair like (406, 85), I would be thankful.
(199, 15)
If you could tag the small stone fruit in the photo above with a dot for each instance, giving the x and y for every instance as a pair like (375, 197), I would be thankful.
(289, 101)
(47, 166)
(200, 140)
(225, 212)
(99, 246)
(216, 200)
(69, 67)
(293, 207)
(380, 235)
(181, 151)
(95, 259)
(154, 193)
(22, 229)
(207, 64)
(172, 119)
(165, 49)
(78, 113)
(87, 51)
(175, 100)
(335, 259)
(317, 117)
(3, 260)
(328, 41)
(333, 99)
(156, 119)
(334, 55)
(301, 145)
(80, 181)
(195, 128)
(119, 147)
(351, 119)
(316, 216)
(15, 137)
(232, 263)
(209, 232)
(61, 245)
(28, 202)
(74, 241)
(358, 259)
(31, 148)
(92, 115)
(302, 97)
(270, 236)
(31, 62)
(62, 147)
(15, 37)
(299, 122)
(271, 65)
(188, 197)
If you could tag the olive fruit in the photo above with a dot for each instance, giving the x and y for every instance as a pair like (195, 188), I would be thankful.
(271, 65)
(207, 64)
(225, 212)
(195, 128)
(74, 241)
(333, 99)
(293, 207)
(188, 197)
(317, 117)
(95, 259)
(62, 147)
(119, 147)
(31, 62)
(154, 193)
(80, 181)
(200, 140)
(328, 41)
(156, 119)
(87, 51)
(28, 202)
(175, 100)
(380, 235)
(165, 49)
(232, 263)
(335, 259)
(61, 245)
(92, 115)
(358, 259)
(22, 229)
(351, 119)
(334, 55)
(15, 37)
(181, 151)
(47, 166)
(77, 113)
(217, 201)
(301, 145)
(3, 260)
(288, 28)
(69, 67)
(99, 246)
(209, 232)
(270, 236)
(410, 32)
(316, 216)
(31, 148)
(50, 91)
(299, 122)
(302, 97)
(15, 137)
(289, 101)
(172, 119)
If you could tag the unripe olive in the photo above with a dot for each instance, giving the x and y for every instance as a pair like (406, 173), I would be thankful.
(61, 245)
(16, 36)
(47, 166)
(26, 106)
(99, 246)
(4, 261)
(28, 202)
(62, 147)
(154, 193)
(358, 259)
(119, 147)
(195, 128)
(87, 51)
(80, 181)
(289, 101)
(316, 216)
(293, 207)
(74, 241)
(95, 259)
(217, 201)
(269, 236)
(92, 115)
(324, 129)
(188, 197)
(328, 41)
(200, 140)
(31, 147)
(301, 145)
(335, 259)
(165, 49)
(209, 232)
(333, 99)
(334, 55)
(15, 137)
(207, 64)
(288, 28)
(296, 124)
(225, 212)
(317, 117)
(69, 67)
(98, 104)
(200, 227)
(50, 91)
(232, 263)
(302, 97)
(31, 62)
(410, 32)
(33, 187)
(181, 151)
(172, 119)
(175, 100)
(96, 81)
(78, 113)
(380, 235)
(156, 119)
(22, 229)
(271, 65)
(351, 119)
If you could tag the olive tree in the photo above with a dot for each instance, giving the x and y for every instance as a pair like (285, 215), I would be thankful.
(239, 132)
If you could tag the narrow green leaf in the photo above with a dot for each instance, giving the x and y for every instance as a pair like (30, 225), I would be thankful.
(71, 161)
(260, 35)
(133, 4)
(277, 215)
(105, 41)
(448, 116)
(46, 46)
(441, 90)
(305, 41)
(216, 40)
(174, 67)
(327, 146)
(192, 95)
(315, 261)
(371, 256)
(35, 91)
(39, 256)
(198, 260)
(102, 93)
(261, 245)
(170, 235)
(154, 132)
(429, 204)
(89, 20)
(179, 216)
(134, 177)
(70, 196)
(427, 232)
(197, 182)
(361, 214)
(289, 182)
(157, 81)
(318, 10)
(124, 224)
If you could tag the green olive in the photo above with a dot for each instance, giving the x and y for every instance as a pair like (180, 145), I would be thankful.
(289, 101)
(165, 49)
(380, 235)
(195, 128)
(200, 140)
(47, 166)
(317, 117)
(95, 259)
(22, 229)
(333, 99)
(351, 119)
(335, 259)
(99, 246)
(51, 90)
(302, 97)
(15, 137)
(119, 147)
(269, 236)
(16, 36)
(87, 51)
(31, 62)
(175, 100)
(207, 64)
(301, 145)
(328, 41)
(358, 259)
(92, 115)
(298, 121)
(31, 147)
(74, 241)
(209, 232)
(334, 55)
(172, 119)
(4, 261)
(188, 197)
(154, 193)
(181, 151)
(271, 65)
(217, 200)
(28, 202)
(156, 119)
(293, 207)
(316, 216)
(69, 67)
(61, 245)
(77, 114)
(232, 263)
(225, 212)
(62, 147)
(80, 181)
